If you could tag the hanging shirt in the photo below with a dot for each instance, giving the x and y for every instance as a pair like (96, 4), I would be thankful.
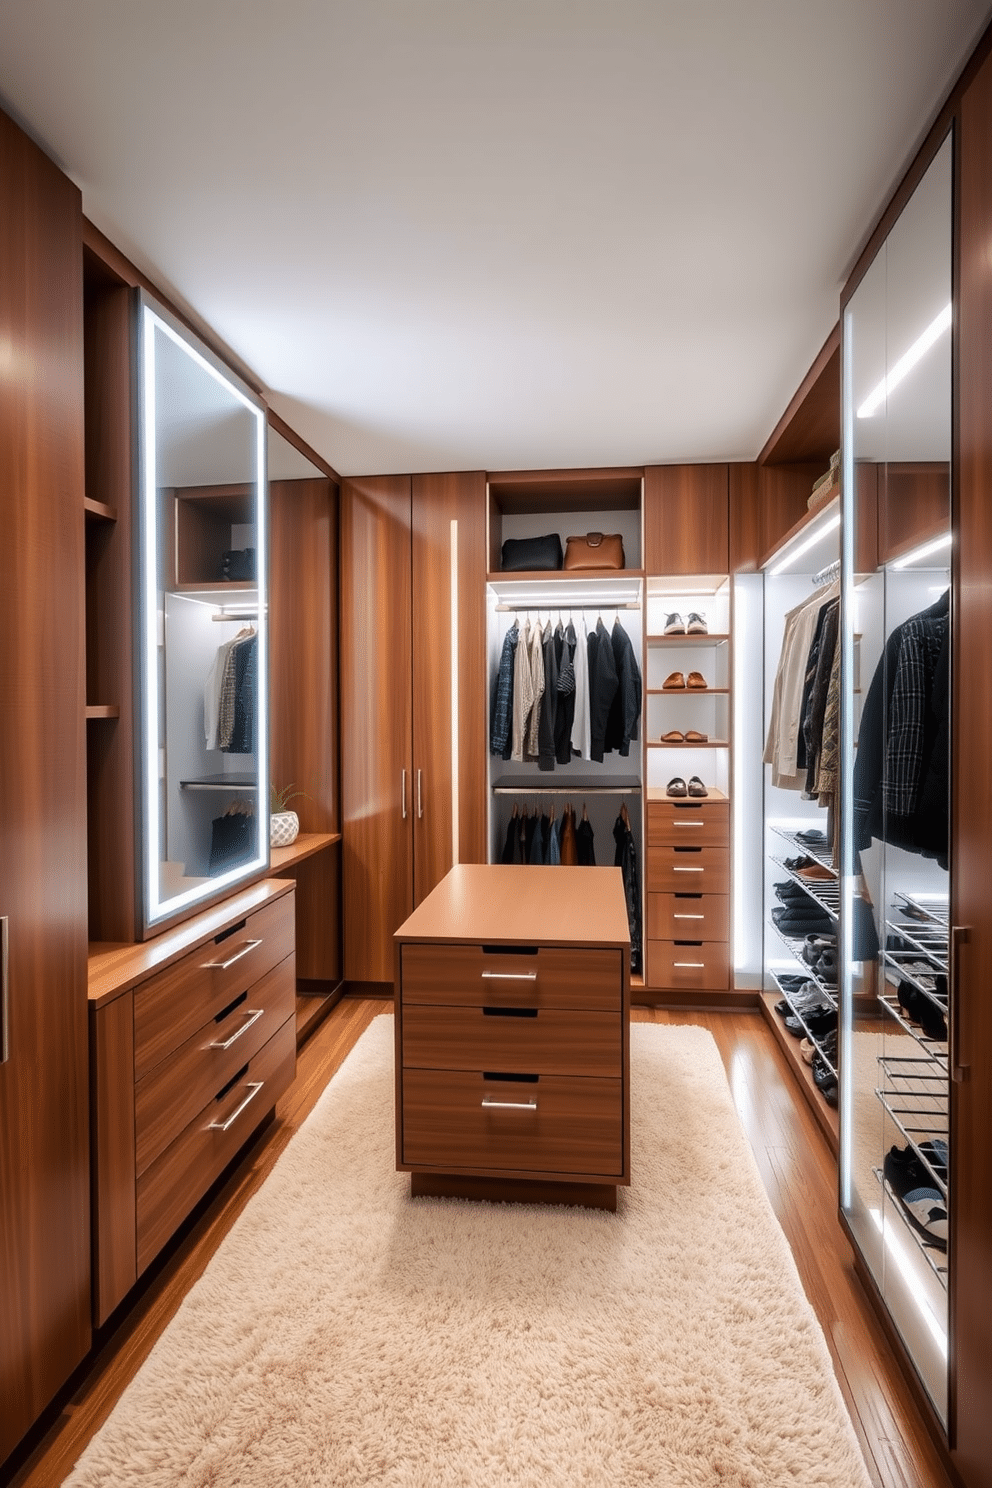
(523, 695)
(581, 737)
(501, 733)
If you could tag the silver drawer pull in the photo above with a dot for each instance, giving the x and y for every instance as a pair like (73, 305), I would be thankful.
(687, 823)
(249, 945)
(688, 870)
(688, 917)
(530, 1105)
(510, 976)
(222, 1126)
(256, 1013)
(696, 965)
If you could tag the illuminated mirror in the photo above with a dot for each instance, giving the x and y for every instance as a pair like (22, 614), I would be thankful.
(203, 666)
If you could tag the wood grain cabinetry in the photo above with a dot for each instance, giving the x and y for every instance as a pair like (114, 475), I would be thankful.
(512, 1036)
(686, 519)
(44, 1171)
(193, 1039)
(688, 889)
(413, 699)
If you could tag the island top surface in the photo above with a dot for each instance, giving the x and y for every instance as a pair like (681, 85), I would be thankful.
(514, 904)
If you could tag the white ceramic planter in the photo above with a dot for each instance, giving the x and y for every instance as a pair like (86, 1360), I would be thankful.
(284, 828)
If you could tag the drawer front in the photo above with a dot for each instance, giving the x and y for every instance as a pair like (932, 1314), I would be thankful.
(168, 1008)
(700, 967)
(697, 870)
(689, 823)
(688, 916)
(558, 1124)
(180, 1085)
(550, 1041)
(168, 1189)
(550, 976)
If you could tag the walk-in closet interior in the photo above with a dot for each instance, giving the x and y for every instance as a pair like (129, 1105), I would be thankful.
(260, 719)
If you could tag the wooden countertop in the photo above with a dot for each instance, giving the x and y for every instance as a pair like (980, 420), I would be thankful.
(306, 844)
(499, 904)
(113, 967)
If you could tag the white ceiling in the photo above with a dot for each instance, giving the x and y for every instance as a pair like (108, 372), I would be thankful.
(463, 234)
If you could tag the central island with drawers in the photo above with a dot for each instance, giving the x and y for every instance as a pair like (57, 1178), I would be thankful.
(512, 1036)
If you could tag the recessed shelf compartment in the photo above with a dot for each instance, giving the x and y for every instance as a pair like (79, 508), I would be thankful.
(99, 511)
(240, 781)
(102, 710)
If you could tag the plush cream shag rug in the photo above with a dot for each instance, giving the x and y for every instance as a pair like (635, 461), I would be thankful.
(347, 1335)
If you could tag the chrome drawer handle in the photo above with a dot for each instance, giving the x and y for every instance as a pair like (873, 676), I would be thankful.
(256, 1013)
(697, 965)
(688, 917)
(687, 823)
(222, 1126)
(249, 945)
(510, 976)
(687, 870)
(530, 1105)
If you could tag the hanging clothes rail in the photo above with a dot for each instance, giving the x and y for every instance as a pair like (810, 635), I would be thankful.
(554, 604)
(827, 575)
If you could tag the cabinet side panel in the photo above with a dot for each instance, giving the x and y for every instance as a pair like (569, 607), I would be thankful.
(449, 753)
(112, 1134)
(971, 806)
(376, 729)
(44, 1147)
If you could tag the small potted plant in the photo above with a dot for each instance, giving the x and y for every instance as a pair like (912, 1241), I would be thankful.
(284, 826)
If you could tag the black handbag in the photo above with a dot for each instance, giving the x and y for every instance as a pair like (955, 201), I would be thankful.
(523, 554)
(238, 564)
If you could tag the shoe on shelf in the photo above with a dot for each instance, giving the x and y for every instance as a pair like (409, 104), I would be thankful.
(674, 625)
(813, 838)
(696, 786)
(676, 787)
(696, 680)
(806, 1050)
(696, 624)
(674, 736)
(923, 1205)
(693, 736)
(674, 682)
(802, 862)
(817, 873)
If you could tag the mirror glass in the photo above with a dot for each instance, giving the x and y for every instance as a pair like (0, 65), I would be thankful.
(202, 648)
(895, 1131)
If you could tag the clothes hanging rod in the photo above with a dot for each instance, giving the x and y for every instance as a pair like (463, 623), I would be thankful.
(566, 790)
(236, 615)
(826, 575)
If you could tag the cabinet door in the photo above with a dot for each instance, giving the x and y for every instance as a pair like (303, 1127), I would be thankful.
(376, 739)
(44, 1151)
(449, 675)
(686, 519)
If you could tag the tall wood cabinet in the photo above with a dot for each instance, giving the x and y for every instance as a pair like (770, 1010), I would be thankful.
(44, 1164)
(413, 699)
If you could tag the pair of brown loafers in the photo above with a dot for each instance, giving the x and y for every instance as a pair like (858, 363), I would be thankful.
(691, 736)
(676, 682)
(678, 787)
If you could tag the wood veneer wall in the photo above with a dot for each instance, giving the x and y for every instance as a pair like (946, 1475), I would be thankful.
(44, 1156)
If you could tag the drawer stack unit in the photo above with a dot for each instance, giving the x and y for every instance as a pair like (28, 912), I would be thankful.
(512, 1053)
(688, 892)
(192, 1040)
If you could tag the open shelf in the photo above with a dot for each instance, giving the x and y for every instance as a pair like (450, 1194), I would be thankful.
(826, 1116)
(235, 780)
(100, 511)
(554, 783)
(695, 639)
(102, 710)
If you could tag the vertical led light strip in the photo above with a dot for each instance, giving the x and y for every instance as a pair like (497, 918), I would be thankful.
(262, 633)
(846, 940)
(453, 548)
(149, 493)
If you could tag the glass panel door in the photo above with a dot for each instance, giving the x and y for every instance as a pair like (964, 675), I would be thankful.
(896, 749)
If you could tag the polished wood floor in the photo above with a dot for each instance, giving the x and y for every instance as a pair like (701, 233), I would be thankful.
(799, 1175)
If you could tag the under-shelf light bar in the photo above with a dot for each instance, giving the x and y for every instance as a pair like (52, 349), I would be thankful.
(925, 551)
(790, 557)
(906, 363)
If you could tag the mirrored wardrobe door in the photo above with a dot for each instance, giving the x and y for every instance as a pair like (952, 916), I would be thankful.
(202, 686)
(895, 1129)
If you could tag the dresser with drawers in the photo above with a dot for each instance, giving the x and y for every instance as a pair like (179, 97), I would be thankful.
(688, 892)
(192, 1041)
(512, 1003)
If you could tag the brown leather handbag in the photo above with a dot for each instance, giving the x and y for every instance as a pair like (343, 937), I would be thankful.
(594, 550)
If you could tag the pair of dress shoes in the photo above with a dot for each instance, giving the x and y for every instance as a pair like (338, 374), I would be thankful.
(691, 736)
(678, 787)
(676, 682)
(694, 624)
(920, 1009)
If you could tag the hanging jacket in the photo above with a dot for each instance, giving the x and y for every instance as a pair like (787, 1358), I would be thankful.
(549, 703)
(531, 747)
(584, 841)
(501, 731)
(580, 722)
(565, 712)
(603, 683)
(625, 858)
(523, 695)
(569, 846)
(625, 710)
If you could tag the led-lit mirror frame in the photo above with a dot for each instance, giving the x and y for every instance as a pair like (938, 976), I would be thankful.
(155, 909)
